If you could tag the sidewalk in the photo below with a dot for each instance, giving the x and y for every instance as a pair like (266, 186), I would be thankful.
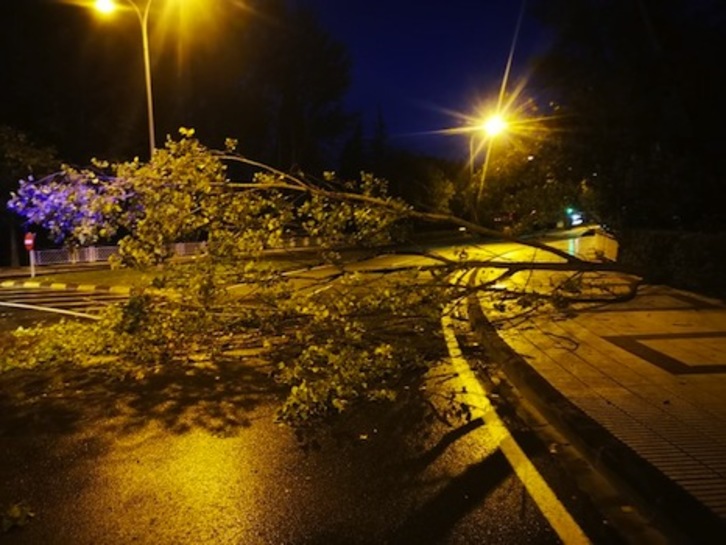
(23, 273)
(642, 383)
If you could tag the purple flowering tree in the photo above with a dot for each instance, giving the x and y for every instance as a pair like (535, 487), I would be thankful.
(179, 195)
(76, 207)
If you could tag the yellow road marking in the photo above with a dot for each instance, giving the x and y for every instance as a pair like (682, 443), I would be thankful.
(86, 287)
(123, 290)
(474, 395)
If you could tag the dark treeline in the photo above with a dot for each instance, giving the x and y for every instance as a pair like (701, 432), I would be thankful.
(631, 90)
(264, 74)
(639, 84)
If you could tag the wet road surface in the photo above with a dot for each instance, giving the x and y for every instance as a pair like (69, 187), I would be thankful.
(194, 456)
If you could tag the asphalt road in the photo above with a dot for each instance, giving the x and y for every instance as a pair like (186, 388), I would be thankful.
(11, 319)
(197, 458)
(193, 455)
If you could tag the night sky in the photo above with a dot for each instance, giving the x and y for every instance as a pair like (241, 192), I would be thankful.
(424, 64)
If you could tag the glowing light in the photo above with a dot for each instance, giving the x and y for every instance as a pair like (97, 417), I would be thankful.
(105, 6)
(495, 125)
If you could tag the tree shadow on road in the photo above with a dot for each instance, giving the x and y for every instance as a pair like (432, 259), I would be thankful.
(433, 521)
(218, 398)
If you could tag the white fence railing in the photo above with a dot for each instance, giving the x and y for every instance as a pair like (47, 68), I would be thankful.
(182, 249)
(90, 254)
(94, 254)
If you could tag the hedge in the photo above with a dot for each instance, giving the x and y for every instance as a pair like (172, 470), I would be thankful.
(691, 261)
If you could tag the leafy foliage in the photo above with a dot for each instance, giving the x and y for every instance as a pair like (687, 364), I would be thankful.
(335, 333)
(76, 207)
(45, 346)
(337, 349)
(19, 157)
(15, 516)
(529, 189)
(362, 340)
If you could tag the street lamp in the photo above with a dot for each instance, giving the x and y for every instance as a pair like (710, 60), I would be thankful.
(108, 6)
(493, 126)
(496, 124)
(490, 127)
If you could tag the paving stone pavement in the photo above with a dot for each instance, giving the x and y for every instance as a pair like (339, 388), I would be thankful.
(648, 373)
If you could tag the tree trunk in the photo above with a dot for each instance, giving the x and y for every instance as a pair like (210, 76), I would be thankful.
(14, 257)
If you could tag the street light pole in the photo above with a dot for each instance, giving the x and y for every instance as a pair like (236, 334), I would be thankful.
(143, 16)
(144, 20)
(471, 156)
(484, 169)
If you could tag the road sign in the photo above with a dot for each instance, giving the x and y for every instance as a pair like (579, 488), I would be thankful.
(29, 241)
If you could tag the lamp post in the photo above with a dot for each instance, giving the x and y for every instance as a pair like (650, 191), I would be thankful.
(107, 6)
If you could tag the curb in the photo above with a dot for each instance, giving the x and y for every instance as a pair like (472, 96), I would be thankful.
(70, 286)
(676, 510)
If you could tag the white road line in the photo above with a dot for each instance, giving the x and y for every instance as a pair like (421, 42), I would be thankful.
(51, 310)
(474, 395)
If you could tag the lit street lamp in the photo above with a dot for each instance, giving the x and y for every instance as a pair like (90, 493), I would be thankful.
(496, 124)
(108, 6)
(493, 126)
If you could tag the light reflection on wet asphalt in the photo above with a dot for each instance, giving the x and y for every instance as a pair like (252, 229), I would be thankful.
(198, 459)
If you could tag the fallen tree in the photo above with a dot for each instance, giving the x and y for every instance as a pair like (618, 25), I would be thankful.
(336, 327)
